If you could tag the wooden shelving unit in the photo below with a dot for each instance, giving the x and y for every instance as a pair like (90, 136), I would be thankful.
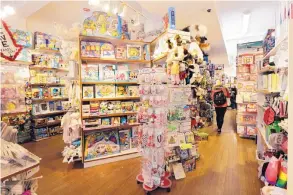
(110, 98)
(16, 62)
(48, 124)
(49, 114)
(109, 115)
(110, 82)
(49, 99)
(32, 67)
(16, 171)
(122, 155)
(47, 51)
(47, 85)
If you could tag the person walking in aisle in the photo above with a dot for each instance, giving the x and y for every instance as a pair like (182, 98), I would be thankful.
(220, 95)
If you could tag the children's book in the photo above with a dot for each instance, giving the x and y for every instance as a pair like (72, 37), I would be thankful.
(106, 121)
(107, 72)
(44, 107)
(117, 107)
(120, 52)
(123, 120)
(133, 91)
(89, 72)
(134, 52)
(110, 107)
(127, 106)
(132, 119)
(88, 92)
(122, 72)
(133, 74)
(90, 49)
(37, 93)
(107, 51)
(105, 91)
(121, 91)
(115, 121)
(55, 92)
(124, 139)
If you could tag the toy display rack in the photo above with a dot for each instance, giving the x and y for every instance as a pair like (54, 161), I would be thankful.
(122, 155)
(34, 101)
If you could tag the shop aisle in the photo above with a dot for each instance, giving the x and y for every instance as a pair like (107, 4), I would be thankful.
(227, 167)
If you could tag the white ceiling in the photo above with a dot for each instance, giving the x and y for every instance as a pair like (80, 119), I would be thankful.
(230, 13)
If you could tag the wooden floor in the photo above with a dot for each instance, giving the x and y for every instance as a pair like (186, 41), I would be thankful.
(227, 167)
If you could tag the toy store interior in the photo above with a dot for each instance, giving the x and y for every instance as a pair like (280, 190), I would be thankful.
(121, 97)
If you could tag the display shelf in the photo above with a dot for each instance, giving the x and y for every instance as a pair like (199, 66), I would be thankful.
(14, 113)
(246, 124)
(47, 51)
(108, 115)
(126, 152)
(111, 127)
(114, 61)
(49, 114)
(111, 40)
(110, 159)
(48, 68)
(48, 124)
(16, 170)
(16, 62)
(276, 48)
(262, 134)
(159, 58)
(267, 92)
(111, 98)
(47, 84)
(49, 99)
(247, 103)
(111, 82)
(243, 113)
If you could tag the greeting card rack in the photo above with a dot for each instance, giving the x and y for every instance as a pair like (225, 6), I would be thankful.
(109, 97)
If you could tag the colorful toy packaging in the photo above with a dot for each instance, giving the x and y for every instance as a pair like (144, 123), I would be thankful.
(46, 41)
(107, 51)
(23, 38)
(134, 52)
(120, 52)
(90, 49)
(88, 92)
(107, 72)
(105, 91)
(122, 73)
(89, 72)
(133, 91)
(124, 139)
(101, 144)
(121, 91)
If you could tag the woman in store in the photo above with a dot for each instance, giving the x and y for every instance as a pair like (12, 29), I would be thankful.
(220, 95)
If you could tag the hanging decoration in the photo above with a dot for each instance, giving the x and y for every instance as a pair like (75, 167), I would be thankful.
(9, 48)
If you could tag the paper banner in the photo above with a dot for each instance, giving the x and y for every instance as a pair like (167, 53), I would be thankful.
(9, 48)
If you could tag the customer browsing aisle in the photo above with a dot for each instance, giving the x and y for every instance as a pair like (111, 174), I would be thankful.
(227, 166)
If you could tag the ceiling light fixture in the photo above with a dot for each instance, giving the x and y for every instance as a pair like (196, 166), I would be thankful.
(106, 7)
(9, 10)
(94, 2)
(245, 22)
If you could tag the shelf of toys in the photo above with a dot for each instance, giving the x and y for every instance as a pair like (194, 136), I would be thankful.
(110, 97)
(48, 79)
(272, 119)
(249, 56)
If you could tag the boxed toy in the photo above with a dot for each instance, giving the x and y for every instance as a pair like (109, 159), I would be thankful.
(100, 144)
(134, 52)
(46, 41)
(133, 91)
(106, 122)
(107, 51)
(103, 107)
(55, 92)
(89, 72)
(90, 49)
(189, 165)
(124, 139)
(120, 52)
(131, 119)
(110, 107)
(117, 107)
(107, 72)
(88, 92)
(115, 121)
(22, 38)
(105, 91)
(36, 93)
(121, 91)
(127, 106)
